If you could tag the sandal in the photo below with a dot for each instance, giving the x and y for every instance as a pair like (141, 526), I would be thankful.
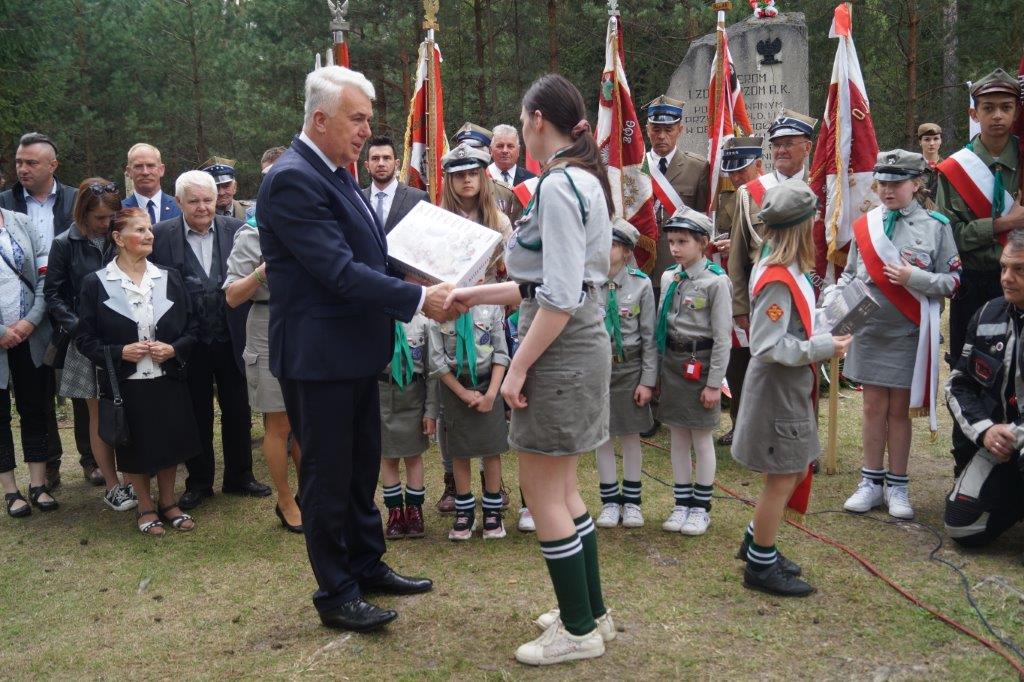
(177, 522)
(10, 499)
(36, 491)
(145, 528)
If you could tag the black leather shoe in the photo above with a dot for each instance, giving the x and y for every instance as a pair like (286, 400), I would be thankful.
(774, 580)
(393, 583)
(787, 565)
(253, 489)
(650, 433)
(359, 616)
(191, 499)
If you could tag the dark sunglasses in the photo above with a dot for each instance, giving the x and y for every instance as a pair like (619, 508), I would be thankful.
(99, 190)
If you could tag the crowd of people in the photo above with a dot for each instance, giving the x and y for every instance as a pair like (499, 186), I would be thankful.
(138, 308)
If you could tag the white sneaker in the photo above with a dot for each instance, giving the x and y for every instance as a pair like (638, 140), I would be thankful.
(605, 624)
(898, 501)
(697, 522)
(558, 645)
(609, 517)
(526, 524)
(120, 498)
(632, 517)
(674, 522)
(866, 497)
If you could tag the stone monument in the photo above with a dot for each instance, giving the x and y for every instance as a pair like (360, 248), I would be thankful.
(770, 56)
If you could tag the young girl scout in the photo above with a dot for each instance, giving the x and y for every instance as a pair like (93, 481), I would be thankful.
(908, 260)
(776, 429)
(629, 319)
(469, 357)
(694, 335)
(408, 417)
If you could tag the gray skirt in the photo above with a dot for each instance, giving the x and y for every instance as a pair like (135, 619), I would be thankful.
(264, 389)
(679, 403)
(466, 433)
(401, 419)
(78, 377)
(568, 388)
(881, 361)
(625, 418)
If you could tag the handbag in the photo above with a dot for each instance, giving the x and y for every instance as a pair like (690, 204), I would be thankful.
(57, 349)
(113, 421)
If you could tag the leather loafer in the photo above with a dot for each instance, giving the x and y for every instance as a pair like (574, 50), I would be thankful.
(252, 488)
(358, 615)
(393, 583)
(191, 499)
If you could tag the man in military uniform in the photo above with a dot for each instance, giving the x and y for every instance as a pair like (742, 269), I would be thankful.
(929, 137)
(480, 138)
(223, 172)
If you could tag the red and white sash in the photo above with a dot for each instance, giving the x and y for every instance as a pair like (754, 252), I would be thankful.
(525, 190)
(757, 187)
(803, 299)
(975, 182)
(663, 189)
(877, 250)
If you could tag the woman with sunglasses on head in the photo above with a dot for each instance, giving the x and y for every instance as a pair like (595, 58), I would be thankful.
(82, 249)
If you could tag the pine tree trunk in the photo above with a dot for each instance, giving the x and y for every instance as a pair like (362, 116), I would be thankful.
(552, 35)
(952, 95)
(82, 64)
(910, 112)
(481, 78)
(197, 89)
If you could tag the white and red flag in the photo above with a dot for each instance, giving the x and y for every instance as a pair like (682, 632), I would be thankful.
(622, 145)
(425, 139)
(844, 156)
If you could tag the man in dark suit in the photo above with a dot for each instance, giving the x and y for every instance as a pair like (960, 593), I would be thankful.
(389, 198)
(197, 244)
(505, 152)
(146, 170)
(332, 319)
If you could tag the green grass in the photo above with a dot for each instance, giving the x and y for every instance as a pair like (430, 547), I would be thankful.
(83, 595)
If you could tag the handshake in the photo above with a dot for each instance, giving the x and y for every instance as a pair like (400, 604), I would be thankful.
(440, 305)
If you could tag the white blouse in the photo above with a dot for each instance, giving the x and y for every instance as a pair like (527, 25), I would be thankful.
(140, 302)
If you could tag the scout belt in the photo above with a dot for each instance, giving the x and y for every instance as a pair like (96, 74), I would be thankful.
(481, 380)
(628, 354)
(388, 379)
(689, 345)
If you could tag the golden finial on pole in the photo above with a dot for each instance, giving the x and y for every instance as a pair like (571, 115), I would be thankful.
(430, 9)
(722, 6)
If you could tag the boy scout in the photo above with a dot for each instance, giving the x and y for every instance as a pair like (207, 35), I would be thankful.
(929, 137)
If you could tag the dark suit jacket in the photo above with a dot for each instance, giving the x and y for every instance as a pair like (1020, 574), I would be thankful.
(520, 174)
(333, 301)
(13, 199)
(405, 198)
(168, 206)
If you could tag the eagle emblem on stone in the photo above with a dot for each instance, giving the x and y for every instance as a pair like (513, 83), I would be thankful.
(768, 49)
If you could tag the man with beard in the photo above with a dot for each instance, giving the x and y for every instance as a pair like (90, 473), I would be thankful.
(391, 200)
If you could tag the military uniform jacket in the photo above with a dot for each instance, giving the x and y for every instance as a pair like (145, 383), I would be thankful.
(977, 244)
(417, 333)
(927, 243)
(636, 318)
(688, 174)
(701, 308)
(489, 335)
(507, 201)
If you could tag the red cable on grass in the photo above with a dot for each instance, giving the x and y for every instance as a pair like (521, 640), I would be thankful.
(874, 570)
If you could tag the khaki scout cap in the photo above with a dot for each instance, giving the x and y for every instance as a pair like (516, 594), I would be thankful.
(624, 232)
(899, 164)
(788, 204)
(688, 219)
(928, 129)
(464, 157)
(997, 82)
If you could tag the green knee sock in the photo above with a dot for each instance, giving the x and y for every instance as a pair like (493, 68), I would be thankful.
(585, 530)
(569, 578)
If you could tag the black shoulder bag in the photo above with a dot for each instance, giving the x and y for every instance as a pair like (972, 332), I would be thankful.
(113, 426)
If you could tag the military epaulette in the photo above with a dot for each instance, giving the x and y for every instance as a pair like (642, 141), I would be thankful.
(695, 157)
(940, 217)
(715, 268)
(637, 272)
(251, 222)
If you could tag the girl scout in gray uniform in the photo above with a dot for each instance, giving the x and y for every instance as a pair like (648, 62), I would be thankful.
(557, 384)
(694, 335)
(884, 351)
(408, 417)
(776, 428)
(469, 357)
(629, 319)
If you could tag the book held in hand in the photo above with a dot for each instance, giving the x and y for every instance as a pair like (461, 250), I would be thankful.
(848, 310)
(436, 245)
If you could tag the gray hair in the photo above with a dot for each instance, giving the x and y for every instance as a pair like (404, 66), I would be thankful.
(505, 129)
(141, 146)
(324, 86)
(195, 179)
(1015, 240)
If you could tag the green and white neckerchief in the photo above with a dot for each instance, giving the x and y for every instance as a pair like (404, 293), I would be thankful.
(402, 369)
(891, 217)
(998, 190)
(465, 346)
(612, 321)
(661, 331)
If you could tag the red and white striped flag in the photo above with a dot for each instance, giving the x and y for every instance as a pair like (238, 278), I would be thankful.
(425, 139)
(845, 155)
(622, 145)
(727, 111)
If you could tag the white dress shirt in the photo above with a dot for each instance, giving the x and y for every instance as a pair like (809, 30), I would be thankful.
(40, 213)
(201, 244)
(655, 159)
(158, 201)
(140, 303)
(389, 198)
(496, 173)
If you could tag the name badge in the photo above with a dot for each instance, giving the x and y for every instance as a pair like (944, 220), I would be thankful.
(692, 369)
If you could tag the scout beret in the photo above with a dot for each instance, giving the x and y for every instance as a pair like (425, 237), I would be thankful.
(222, 170)
(688, 219)
(899, 164)
(665, 110)
(473, 135)
(740, 152)
(624, 232)
(928, 129)
(788, 204)
(790, 123)
(997, 82)
(465, 157)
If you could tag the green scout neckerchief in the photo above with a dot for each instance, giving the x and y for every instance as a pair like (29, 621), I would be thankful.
(612, 321)
(661, 331)
(401, 358)
(998, 190)
(890, 222)
(465, 346)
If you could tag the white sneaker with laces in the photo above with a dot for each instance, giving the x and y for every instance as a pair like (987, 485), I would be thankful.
(674, 522)
(609, 516)
(632, 517)
(697, 522)
(866, 497)
(898, 501)
(526, 524)
(605, 624)
(558, 645)
(119, 498)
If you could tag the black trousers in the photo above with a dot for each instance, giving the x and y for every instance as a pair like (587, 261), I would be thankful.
(81, 421)
(210, 364)
(338, 426)
(739, 358)
(987, 499)
(31, 395)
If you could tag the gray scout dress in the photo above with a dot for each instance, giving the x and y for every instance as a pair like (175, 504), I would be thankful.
(777, 428)
(464, 432)
(402, 408)
(883, 350)
(639, 361)
(559, 253)
(699, 317)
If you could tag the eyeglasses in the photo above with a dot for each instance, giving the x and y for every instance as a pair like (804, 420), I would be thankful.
(99, 190)
(784, 146)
